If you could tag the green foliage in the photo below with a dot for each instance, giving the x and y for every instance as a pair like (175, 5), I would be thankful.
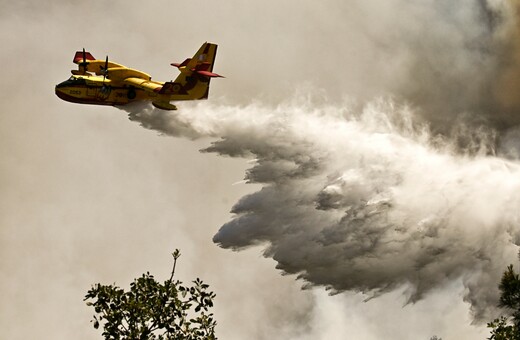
(501, 330)
(509, 287)
(510, 293)
(151, 310)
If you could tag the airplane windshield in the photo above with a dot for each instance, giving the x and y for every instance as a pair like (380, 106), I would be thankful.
(72, 81)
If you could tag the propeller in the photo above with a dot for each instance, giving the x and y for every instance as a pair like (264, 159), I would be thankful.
(83, 64)
(104, 70)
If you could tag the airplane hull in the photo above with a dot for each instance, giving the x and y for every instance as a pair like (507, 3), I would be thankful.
(99, 95)
(102, 82)
(117, 97)
(72, 99)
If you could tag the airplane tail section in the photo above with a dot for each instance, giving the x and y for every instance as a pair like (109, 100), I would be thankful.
(195, 76)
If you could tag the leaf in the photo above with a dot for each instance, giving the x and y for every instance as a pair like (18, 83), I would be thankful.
(150, 306)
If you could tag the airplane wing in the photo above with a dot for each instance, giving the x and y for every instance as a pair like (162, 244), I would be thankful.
(144, 84)
(134, 78)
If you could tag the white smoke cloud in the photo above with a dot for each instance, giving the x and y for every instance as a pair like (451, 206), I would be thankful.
(362, 201)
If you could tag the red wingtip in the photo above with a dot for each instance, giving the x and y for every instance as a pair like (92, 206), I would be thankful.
(78, 57)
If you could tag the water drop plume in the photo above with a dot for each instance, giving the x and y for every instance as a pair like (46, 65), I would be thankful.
(365, 200)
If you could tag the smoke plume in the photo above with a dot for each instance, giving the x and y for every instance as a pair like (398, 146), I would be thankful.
(455, 61)
(415, 191)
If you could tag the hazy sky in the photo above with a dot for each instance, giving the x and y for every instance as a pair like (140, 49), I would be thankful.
(331, 110)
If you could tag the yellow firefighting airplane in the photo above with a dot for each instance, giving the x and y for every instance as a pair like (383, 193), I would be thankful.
(103, 82)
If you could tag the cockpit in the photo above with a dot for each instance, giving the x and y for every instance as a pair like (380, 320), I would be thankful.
(72, 81)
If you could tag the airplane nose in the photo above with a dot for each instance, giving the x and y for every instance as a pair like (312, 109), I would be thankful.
(61, 94)
(63, 84)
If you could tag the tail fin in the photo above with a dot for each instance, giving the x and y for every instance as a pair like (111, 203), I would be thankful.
(196, 72)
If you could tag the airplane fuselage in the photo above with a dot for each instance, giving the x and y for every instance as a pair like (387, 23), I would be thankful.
(93, 90)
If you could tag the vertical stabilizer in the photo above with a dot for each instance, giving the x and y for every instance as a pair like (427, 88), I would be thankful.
(195, 74)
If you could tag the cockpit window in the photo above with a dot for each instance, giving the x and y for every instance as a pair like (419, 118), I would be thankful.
(72, 81)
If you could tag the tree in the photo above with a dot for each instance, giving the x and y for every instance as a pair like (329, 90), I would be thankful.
(510, 293)
(501, 329)
(151, 310)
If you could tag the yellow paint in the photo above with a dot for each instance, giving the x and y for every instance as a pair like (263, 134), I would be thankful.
(120, 85)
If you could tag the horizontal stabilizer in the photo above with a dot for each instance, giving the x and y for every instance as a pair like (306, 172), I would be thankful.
(208, 74)
(201, 68)
(184, 63)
